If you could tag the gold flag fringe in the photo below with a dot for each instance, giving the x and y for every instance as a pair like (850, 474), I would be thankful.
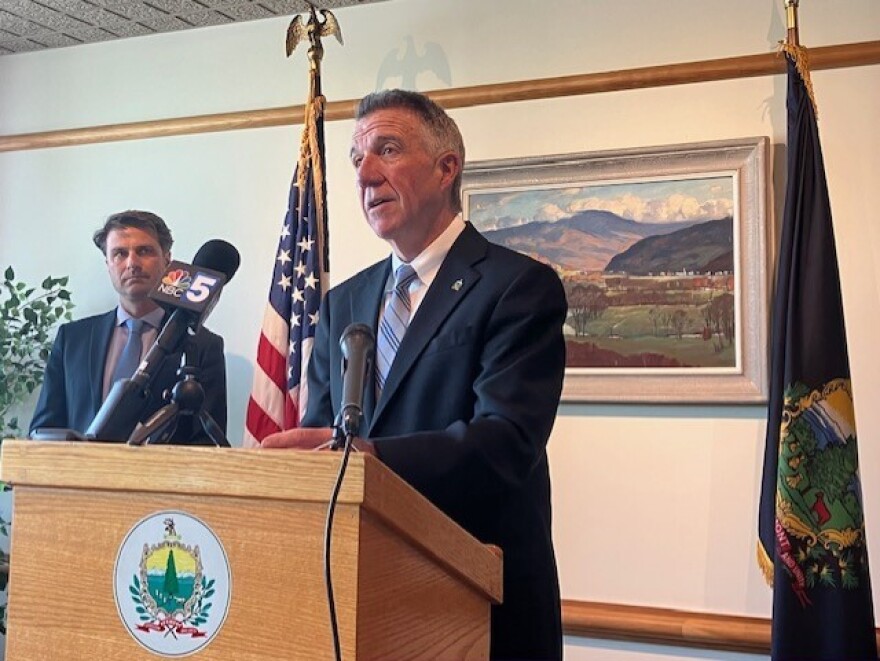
(310, 154)
(799, 56)
(765, 563)
(310, 158)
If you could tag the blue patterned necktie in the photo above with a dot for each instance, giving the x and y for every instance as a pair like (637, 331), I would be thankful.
(130, 357)
(394, 322)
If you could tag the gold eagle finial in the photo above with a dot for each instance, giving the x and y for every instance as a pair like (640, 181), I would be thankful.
(314, 29)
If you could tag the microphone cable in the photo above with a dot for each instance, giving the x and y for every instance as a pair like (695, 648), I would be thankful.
(328, 531)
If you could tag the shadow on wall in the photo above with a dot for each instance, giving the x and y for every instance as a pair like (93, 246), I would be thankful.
(403, 65)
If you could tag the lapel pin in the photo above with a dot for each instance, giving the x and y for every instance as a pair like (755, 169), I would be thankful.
(457, 284)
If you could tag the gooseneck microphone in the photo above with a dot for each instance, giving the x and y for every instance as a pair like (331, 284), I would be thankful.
(189, 292)
(358, 344)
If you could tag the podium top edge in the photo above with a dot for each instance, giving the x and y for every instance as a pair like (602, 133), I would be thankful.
(235, 472)
(289, 475)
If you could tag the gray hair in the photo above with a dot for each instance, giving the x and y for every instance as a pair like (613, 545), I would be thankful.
(441, 129)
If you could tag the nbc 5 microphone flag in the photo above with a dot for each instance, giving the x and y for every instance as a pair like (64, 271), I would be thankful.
(299, 279)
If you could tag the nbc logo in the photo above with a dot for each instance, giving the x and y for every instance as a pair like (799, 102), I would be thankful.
(177, 278)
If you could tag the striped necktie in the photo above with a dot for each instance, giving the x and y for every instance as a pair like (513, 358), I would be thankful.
(394, 322)
(130, 357)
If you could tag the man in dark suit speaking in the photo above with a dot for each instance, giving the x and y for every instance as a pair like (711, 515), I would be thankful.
(469, 359)
(90, 355)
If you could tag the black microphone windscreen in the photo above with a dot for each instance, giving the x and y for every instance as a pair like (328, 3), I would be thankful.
(358, 333)
(358, 344)
(218, 255)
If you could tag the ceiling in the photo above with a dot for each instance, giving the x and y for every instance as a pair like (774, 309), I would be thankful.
(29, 25)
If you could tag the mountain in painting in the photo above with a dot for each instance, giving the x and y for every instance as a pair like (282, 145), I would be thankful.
(703, 248)
(586, 241)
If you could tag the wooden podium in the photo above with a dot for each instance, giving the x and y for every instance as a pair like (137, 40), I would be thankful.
(408, 582)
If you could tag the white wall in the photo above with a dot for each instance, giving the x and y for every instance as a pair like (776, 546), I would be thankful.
(654, 505)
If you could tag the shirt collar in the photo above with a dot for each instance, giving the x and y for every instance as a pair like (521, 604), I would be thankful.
(427, 263)
(153, 319)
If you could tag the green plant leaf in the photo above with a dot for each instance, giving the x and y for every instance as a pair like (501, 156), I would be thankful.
(29, 315)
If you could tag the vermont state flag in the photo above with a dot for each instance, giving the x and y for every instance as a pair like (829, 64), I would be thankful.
(811, 522)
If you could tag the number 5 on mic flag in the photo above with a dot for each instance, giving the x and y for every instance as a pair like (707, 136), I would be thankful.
(193, 288)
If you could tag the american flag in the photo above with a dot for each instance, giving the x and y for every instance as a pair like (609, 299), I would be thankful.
(299, 279)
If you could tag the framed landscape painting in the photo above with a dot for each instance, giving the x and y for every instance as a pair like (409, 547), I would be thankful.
(663, 253)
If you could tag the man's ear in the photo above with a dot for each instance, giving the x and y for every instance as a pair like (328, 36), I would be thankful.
(450, 167)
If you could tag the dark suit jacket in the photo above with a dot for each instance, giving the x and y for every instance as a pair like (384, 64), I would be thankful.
(72, 388)
(466, 412)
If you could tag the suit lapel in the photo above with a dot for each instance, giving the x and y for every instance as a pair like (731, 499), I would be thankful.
(99, 344)
(365, 302)
(366, 297)
(453, 283)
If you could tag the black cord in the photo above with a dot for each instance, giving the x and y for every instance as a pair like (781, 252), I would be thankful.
(328, 530)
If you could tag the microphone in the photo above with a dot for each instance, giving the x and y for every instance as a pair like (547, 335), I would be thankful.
(358, 344)
(195, 288)
(190, 292)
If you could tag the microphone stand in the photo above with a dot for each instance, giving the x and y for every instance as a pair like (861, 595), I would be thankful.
(345, 429)
(187, 398)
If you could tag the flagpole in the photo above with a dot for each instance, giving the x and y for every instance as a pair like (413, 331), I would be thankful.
(798, 54)
(791, 19)
(311, 184)
(311, 156)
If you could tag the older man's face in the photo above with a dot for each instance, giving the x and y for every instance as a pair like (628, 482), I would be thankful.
(401, 182)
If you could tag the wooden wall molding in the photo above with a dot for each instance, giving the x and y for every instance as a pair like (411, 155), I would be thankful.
(764, 64)
(663, 626)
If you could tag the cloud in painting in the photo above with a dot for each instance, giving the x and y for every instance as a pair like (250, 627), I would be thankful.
(552, 212)
(661, 201)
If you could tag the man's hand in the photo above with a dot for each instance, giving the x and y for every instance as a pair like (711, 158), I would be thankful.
(303, 438)
(309, 438)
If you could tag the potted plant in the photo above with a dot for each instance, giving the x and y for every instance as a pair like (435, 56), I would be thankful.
(28, 315)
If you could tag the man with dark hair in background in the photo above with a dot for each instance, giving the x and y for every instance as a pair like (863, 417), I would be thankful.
(90, 355)
(469, 362)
